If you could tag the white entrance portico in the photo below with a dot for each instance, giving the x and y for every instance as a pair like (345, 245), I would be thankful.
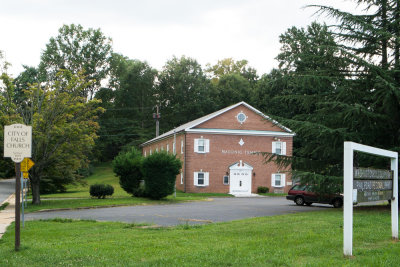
(240, 178)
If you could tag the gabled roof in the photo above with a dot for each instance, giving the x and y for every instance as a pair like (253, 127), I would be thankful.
(188, 126)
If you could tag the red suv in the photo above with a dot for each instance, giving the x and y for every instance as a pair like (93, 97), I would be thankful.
(302, 194)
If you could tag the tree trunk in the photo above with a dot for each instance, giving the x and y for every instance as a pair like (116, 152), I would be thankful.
(385, 31)
(35, 192)
(397, 43)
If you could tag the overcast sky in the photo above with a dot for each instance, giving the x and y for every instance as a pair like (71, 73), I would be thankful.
(156, 30)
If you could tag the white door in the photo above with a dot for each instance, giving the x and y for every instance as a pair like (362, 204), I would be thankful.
(240, 179)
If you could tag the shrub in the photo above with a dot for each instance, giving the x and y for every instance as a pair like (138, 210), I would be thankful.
(262, 189)
(159, 173)
(127, 167)
(101, 190)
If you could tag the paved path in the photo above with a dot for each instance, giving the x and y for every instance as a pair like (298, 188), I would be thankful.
(216, 210)
(7, 187)
(7, 215)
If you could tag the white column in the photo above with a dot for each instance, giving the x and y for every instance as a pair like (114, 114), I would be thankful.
(395, 202)
(348, 199)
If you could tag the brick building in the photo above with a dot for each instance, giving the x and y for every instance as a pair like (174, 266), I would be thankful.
(217, 151)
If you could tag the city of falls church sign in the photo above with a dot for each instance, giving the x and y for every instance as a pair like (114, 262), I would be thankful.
(17, 142)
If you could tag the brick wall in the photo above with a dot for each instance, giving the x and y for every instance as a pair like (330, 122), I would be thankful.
(228, 120)
(225, 151)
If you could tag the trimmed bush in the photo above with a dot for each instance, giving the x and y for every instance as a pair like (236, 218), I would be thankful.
(127, 167)
(159, 173)
(101, 190)
(262, 189)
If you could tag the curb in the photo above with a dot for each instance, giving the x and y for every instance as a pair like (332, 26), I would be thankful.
(7, 200)
(6, 218)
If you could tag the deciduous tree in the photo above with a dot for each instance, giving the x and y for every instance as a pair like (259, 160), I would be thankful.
(184, 92)
(78, 50)
(64, 129)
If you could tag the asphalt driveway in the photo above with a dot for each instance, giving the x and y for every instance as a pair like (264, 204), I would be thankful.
(215, 210)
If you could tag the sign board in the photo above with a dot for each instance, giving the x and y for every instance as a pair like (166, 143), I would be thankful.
(25, 175)
(363, 185)
(17, 142)
(26, 165)
(372, 184)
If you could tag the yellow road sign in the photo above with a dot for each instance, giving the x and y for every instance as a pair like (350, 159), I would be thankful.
(26, 164)
(25, 175)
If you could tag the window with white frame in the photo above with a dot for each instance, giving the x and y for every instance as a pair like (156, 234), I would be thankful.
(278, 180)
(162, 148)
(201, 178)
(226, 180)
(167, 147)
(156, 149)
(279, 148)
(145, 153)
(150, 151)
(182, 146)
(201, 145)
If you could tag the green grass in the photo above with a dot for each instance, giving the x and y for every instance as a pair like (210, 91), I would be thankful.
(77, 196)
(102, 174)
(107, 202)
(302, 239)
(4, 205)
(273, 194)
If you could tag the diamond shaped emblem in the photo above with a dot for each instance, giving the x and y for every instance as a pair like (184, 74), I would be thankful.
(241, 142)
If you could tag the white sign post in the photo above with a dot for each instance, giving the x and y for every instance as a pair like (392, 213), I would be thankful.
(349, 194)
(17, 146)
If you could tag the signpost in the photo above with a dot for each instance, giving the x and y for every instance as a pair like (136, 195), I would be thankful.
(26, 165)
(17, 146)
(372, 184)
(364, 185)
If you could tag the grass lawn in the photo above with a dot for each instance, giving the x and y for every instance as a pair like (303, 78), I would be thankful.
(302, 239)
(272, 194)
(77, 196)
(94, 202)
(102, 174)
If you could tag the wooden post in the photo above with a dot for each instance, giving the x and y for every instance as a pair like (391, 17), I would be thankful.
(17, 205)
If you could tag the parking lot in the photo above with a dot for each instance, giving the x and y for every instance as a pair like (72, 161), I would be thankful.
(200, 212)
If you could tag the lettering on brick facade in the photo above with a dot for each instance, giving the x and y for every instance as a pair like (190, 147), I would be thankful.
(238, 152)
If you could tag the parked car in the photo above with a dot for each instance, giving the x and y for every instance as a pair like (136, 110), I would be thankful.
(302, 194)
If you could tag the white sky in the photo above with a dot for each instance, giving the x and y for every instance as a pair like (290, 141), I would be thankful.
(156, 30)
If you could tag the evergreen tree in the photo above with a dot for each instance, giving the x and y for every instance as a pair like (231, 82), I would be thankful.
(342, 86)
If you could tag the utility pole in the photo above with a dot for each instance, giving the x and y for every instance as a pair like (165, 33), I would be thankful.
(157, 116)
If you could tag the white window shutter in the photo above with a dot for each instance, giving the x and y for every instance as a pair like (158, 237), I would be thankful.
(196, 145)
(206, 178)
(273, 147)
(195, 179)
(182, 146)
(283, 179)
(283, 148)
(273, 179)
(207, 145)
